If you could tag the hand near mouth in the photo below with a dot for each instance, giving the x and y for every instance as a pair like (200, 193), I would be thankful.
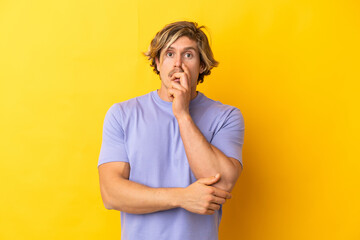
(179, 91)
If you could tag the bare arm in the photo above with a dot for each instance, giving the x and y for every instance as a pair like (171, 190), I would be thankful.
(204, 158)
(121, 194)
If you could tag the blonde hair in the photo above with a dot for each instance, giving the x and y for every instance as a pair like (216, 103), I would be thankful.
(171, 32)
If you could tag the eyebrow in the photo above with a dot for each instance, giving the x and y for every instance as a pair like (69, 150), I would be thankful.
(185, 49)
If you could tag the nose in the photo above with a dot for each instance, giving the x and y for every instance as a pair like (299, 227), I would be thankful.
(178, 60)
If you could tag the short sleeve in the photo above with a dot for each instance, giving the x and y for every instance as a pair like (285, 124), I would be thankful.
(113, 146)
(230, 137)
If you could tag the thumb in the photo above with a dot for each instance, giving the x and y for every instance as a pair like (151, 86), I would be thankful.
(210, 180)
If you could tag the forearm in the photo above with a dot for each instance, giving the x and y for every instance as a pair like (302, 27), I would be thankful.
(131, 197)
(204, 158)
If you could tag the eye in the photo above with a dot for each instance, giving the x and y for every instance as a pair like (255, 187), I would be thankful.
(169, 54)
(188, 55)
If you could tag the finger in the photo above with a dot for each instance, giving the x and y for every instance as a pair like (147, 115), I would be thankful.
(182, 77)
(176, 77)
(187, 72)
(218, 200)
(210, 212)
(209, 180)
(174, 71)
(171, 93)
(221, 193)
(177, 85)
(213, 206)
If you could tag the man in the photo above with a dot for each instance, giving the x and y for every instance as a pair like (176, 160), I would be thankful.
(169, 159)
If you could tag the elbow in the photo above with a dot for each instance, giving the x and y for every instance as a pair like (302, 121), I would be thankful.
(109, 202)
(229, 187)
(108, 205)
(227, 183)
(232, 177)
(112, 204)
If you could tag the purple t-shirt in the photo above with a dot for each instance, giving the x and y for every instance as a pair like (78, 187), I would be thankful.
(144, 132)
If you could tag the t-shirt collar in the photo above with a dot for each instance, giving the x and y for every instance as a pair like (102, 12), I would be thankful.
(166, 104)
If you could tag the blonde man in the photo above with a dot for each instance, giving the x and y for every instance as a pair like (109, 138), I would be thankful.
(169, 159)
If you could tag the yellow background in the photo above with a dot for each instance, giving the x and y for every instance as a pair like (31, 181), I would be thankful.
(292, 67)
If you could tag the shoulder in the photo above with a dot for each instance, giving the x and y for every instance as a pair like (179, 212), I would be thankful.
(125, 107)
(134, 102)
(120, 113)
(219, 109)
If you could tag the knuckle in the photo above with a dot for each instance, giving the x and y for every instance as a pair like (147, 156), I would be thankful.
(208, 198)
(211, 191)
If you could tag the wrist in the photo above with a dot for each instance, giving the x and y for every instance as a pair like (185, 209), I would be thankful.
(177, 196)
(183, 118)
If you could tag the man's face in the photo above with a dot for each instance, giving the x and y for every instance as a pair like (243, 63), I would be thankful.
(183, 50)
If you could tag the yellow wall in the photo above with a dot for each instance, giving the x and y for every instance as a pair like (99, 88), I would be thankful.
(292, 67)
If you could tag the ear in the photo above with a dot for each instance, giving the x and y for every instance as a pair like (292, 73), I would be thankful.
(202, 68)
(157, 63)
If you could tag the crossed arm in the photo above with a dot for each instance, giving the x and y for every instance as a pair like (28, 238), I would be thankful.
(121, 194)
(215, 172)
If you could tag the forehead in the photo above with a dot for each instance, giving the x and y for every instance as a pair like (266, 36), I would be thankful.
(184, 43)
